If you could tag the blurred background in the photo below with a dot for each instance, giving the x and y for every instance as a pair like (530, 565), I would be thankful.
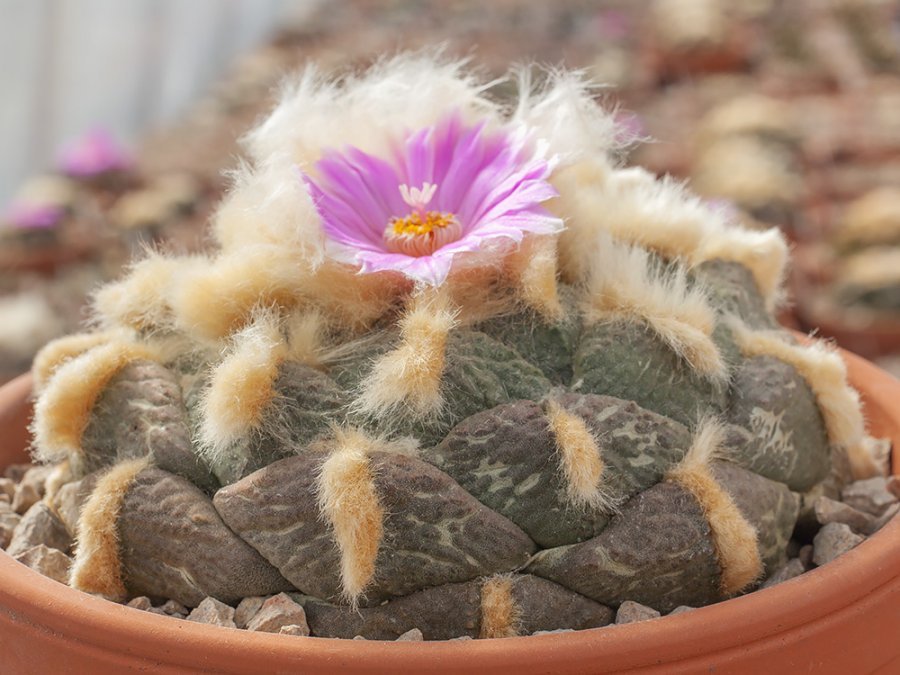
(123, 65)
(118, 118)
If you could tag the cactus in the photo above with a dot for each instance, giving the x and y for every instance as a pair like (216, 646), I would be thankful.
(484, 422)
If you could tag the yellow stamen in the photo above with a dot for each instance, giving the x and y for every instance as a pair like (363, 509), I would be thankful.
(417, 223)
(421, 232)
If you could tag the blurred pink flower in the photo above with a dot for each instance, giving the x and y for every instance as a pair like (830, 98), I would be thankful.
(30, 216)
(613, 24)
(449, 190)
(94, 153)
(629, 127)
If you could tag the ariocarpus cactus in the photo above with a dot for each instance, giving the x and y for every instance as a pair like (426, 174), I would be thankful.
(450, 368)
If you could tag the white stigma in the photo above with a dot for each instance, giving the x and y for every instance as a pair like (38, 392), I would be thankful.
(418, 198)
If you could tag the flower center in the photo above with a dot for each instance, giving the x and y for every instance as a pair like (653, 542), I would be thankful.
(421, 232)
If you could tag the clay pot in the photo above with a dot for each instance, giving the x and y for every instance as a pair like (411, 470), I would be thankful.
(870, 333)
(840, 618)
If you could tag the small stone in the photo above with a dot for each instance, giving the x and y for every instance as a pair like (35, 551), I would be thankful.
(39, 526)
(294, 629)
(15, 472)
(27, 495)
(47, 561)
(278, 611)
(457, 639)
(793, 548)
(157, 610)
(833, 540)
(213, 612)
(175, 608)
(8, 523)
(806, 556)
(142, 602)
(37, 477)
(681, 609)
(884, 518)
(831, 511)
(358, 637)
(893, 486)
(553, 632)
(412, 635)
(630, 612)
(69, 499)
(7, 488)
(247, 609)
(793, 568)
(871, 495)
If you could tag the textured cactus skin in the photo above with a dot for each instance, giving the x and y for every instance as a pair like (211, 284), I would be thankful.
(485, 493)
(140, 412)
(773, 405)
(549, 346)
(505, 456)
(731, 286)
(312, 401)
(661, 535)
(627, 361)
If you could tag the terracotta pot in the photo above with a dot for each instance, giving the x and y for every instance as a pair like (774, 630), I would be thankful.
(843, 617)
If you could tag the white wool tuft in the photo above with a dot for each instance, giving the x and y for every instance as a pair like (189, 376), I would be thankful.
(706, 445)
(57, 352)
(826, 373)
(97, 567)
(241, 386)
(765, 253)
(562, 112)
(305, 332)
(627, 284)
(212, 302)
(580, 459)
(142, 299)
(64, 407)
(404, 92)
(533, 267)
(268, 204)
(349, 502)
(735, 539)
(661, 215)
(632, 206)
(407, 380)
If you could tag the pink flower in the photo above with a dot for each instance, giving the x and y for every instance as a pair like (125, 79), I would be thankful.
(95, 153)
(29, 216)
(449, 190)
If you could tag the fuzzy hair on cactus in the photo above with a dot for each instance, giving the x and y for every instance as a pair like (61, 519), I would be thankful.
(449, 366)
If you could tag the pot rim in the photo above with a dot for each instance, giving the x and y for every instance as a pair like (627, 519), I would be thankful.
(839, 589)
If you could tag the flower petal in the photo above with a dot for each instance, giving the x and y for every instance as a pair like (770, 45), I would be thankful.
(492, 182)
